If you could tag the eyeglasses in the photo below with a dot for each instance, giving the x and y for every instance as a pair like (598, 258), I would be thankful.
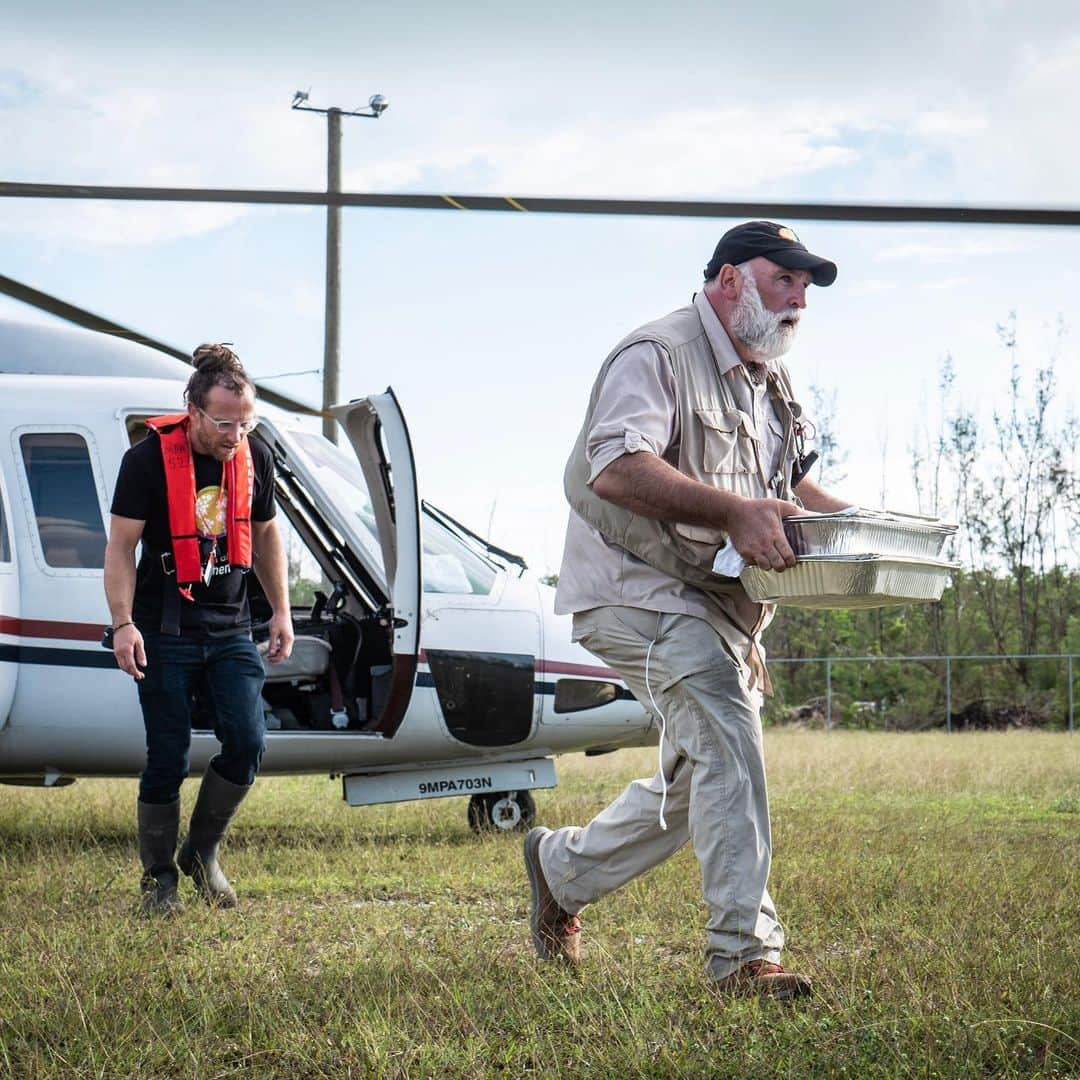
(225, 426)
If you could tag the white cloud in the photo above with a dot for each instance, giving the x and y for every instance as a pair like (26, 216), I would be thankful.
(153, 135)
(947, 283)
(1016, 145)
(105, 225)
(868, 286)
(958, 121)
(948, 252)
(671, 154)
(168, 119)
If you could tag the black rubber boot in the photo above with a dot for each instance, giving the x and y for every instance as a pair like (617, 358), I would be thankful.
(214, 808)
(159, 824)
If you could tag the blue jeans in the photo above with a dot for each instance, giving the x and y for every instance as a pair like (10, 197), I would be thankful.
(229, 671)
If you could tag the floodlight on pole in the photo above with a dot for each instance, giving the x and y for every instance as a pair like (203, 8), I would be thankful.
(377, 105)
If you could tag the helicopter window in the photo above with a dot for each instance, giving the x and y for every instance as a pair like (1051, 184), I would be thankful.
(136, 427)
(449, 565)
(342, 479)
(306, 577)
(65, 499)
(575, 695)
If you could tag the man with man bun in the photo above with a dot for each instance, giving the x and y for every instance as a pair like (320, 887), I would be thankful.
(199, 496)
(691, 448)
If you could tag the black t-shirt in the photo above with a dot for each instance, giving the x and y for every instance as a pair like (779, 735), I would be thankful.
(222, 606)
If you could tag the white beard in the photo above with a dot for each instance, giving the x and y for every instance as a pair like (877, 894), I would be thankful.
(763, 332)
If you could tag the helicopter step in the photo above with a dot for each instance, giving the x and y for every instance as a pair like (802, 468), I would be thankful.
(480, 780)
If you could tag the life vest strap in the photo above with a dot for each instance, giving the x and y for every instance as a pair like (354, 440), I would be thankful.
(184, 563)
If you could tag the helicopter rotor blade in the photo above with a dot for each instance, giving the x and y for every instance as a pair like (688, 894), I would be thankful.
(853, 212)
(81, 317)
(845, 212)
(91, 321)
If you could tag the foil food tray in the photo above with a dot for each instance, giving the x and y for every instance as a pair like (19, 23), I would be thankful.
(850, 581)
(877, 531)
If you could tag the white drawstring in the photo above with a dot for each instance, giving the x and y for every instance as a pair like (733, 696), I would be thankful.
(663, 731)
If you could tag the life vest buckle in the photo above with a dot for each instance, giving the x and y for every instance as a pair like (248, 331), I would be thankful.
(168, 564)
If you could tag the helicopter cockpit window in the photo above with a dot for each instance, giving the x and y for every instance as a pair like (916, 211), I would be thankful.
(341, 478)
(449, 565)
(65, 498)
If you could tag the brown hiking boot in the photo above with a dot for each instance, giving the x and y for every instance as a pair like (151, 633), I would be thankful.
(767, 979)
(556, 934)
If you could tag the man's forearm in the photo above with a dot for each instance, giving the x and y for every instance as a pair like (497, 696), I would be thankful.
(818, 499)
(649, 486)
(119, 582)
(271, 568)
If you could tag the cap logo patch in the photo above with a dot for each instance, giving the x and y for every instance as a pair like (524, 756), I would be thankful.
(786, 234)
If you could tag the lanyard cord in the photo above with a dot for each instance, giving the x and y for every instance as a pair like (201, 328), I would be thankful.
(663, 732)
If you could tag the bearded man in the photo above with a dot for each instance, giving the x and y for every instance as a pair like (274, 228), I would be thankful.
(691, 448)
(199, 497)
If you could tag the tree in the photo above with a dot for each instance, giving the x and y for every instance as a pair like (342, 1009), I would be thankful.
(1010, 489)
(831, 459)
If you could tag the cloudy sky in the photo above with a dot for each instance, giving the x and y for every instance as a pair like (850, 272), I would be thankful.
(491, 327)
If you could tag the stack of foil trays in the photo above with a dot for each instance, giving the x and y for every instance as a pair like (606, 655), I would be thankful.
(861, 559)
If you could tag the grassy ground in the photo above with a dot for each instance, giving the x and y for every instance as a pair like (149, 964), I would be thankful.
(930, 884)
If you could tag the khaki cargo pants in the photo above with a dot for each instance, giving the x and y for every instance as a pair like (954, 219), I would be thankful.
(713, 762)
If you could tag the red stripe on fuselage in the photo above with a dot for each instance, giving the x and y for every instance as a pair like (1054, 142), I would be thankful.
(558, 667)
(45, 628)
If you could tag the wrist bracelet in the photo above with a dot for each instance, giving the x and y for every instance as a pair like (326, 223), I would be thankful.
(130, 622)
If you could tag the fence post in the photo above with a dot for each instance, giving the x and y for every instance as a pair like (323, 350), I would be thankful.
(1072, 725)
(948, 694)
(828, 695)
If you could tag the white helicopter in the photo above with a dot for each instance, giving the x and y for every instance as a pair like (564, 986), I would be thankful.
(429, 665)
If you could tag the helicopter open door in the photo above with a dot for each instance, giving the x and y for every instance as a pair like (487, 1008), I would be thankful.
(377, 431)
(367, 528)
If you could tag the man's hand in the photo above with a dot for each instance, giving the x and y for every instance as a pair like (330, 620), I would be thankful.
(756, 528)
(129, 651)
(281, 638)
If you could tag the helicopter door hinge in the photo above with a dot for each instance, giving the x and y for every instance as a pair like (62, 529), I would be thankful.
(385, 617)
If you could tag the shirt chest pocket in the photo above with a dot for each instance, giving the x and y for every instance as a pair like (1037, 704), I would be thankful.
(728, 442)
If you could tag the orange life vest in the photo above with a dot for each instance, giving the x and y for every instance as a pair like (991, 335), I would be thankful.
(237, 483)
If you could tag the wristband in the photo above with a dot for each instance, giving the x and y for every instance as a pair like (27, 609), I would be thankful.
(107, 637)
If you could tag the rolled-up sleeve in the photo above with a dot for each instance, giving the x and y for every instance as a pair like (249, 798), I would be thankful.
(635, 410)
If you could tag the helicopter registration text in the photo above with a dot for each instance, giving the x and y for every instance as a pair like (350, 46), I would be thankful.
(364, 789)
(457, 787)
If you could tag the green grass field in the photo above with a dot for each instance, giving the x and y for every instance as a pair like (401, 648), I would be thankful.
(929, 883)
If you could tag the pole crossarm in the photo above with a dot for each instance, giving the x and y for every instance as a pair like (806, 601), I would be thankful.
(866, 212)
(341, 112)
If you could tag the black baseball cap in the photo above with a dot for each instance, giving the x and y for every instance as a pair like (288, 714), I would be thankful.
(775, 242)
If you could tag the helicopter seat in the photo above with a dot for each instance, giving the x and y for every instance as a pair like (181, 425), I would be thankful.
(309, 660)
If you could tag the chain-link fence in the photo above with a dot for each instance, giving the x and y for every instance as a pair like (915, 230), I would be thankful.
(995, 690)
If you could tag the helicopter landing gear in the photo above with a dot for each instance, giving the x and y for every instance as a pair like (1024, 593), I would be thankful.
(502, 811)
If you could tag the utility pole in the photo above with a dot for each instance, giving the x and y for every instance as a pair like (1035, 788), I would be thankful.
(377, 105)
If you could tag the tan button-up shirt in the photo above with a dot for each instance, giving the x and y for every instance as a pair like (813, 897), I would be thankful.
(636, 412)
